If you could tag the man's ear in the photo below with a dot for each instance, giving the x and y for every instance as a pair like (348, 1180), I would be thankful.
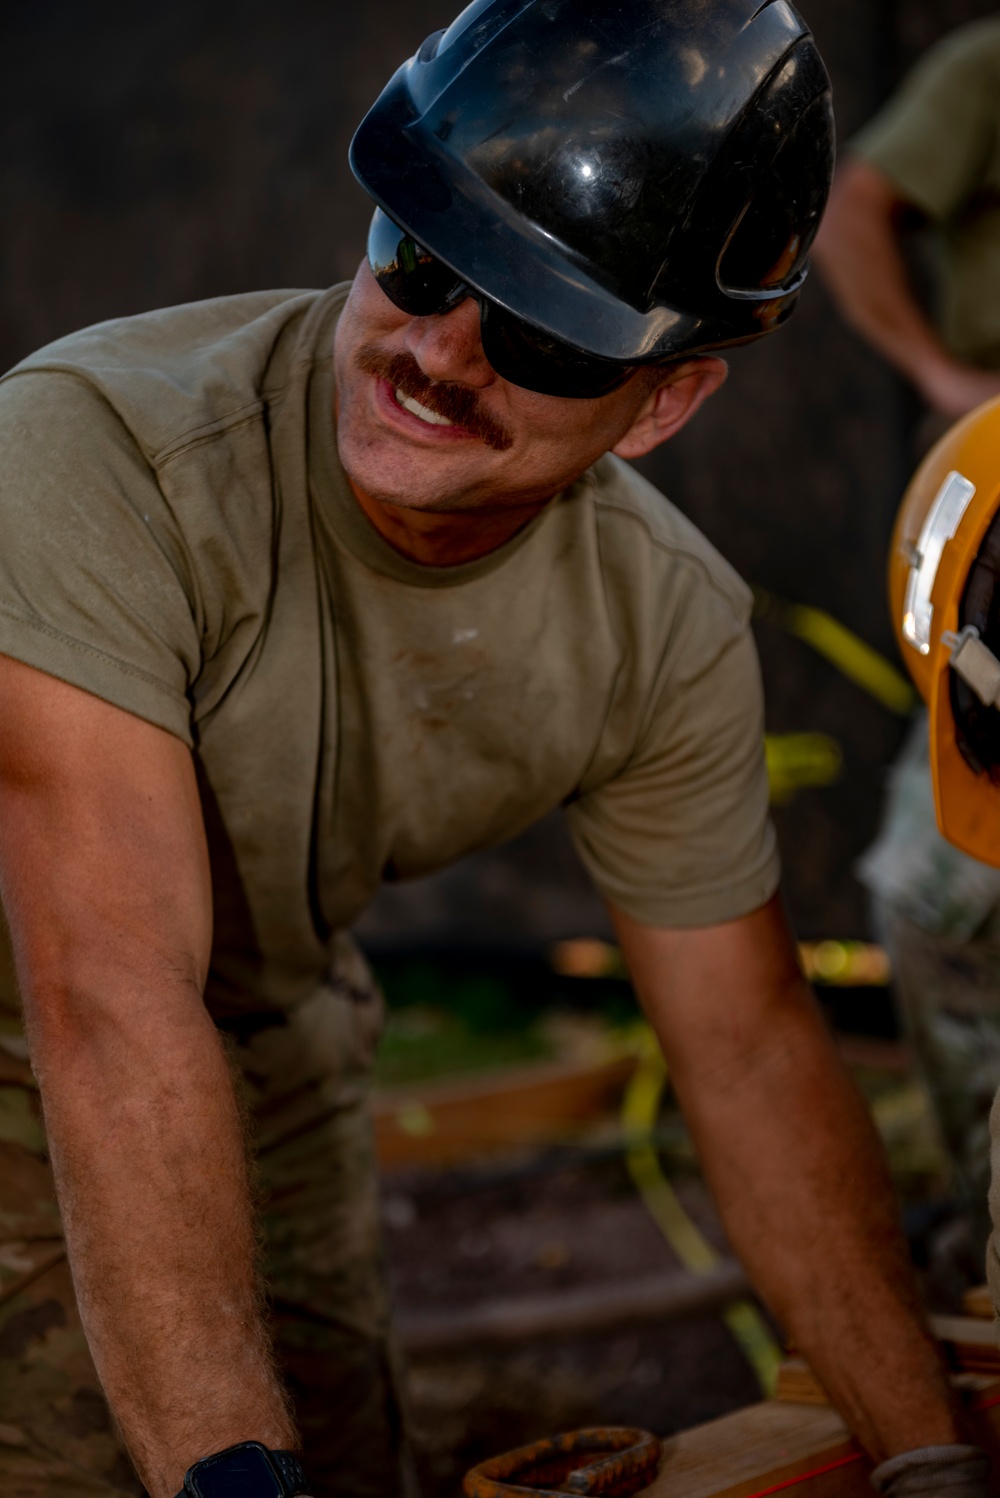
(672, 404)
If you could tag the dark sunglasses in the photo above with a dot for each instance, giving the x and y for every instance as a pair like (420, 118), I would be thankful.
(423, 286)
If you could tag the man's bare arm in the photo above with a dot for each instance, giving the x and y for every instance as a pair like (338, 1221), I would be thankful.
(859, 255)
(796, 1167)
(105, 880)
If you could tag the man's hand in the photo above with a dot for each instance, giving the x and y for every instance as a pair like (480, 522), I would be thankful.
(789, 1149)
(105, 881)
(859, 256)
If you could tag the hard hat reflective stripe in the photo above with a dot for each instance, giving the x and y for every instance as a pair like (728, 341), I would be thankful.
(943, 518)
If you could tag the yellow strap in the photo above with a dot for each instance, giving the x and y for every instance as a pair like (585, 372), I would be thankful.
(852, 657)
(798, 760)
(639, 1112)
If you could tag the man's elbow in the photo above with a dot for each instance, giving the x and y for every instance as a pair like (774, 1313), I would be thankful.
(92, 1012)
(862, 202)
(766, 1043)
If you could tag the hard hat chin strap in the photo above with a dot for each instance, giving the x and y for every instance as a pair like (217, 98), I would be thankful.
(975, 663)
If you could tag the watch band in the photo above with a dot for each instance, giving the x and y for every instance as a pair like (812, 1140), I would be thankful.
(291, 1471)
(247, 1467)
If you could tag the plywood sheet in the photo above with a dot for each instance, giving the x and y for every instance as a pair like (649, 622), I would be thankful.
(775, 1446)
(762, 1448)
(978, 1302)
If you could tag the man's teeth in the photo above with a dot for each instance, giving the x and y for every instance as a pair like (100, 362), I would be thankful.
(409, 404)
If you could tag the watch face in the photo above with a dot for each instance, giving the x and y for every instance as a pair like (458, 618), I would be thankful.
(241, 1472)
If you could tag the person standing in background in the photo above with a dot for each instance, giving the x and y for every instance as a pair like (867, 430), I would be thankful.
(930, 160)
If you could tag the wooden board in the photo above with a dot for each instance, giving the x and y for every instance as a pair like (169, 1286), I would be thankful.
(446, 1122)
(978, 1302)
(798, 1384)
(806, 1448)
(759, 1448)
(970, 1342)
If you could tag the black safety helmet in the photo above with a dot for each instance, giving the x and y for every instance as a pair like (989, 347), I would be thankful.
(636, 179)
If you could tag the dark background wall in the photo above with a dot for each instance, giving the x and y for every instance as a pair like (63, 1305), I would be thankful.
(151, 155)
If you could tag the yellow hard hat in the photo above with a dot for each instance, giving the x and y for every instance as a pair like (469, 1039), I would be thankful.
(944, 587)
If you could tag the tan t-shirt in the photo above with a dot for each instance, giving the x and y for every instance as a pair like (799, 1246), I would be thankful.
(938, 141)
(177, 536)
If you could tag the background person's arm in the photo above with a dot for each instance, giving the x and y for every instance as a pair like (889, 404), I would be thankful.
(797, 1170)
(105, 880)
(859, 255)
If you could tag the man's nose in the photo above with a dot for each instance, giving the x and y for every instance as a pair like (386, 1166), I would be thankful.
(448, 346)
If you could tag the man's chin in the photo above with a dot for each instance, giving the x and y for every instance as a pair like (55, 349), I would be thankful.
(401, 487)
(423, 504)
(411, 476)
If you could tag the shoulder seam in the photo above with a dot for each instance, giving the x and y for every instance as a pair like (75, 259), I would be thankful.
(683, 553)
(191, 437)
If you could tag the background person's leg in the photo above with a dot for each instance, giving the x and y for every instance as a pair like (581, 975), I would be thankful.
(949, 997)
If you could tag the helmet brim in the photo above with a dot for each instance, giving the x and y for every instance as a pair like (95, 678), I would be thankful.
(454, 215)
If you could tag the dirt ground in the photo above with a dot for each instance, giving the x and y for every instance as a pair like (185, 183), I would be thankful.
(461, 1237)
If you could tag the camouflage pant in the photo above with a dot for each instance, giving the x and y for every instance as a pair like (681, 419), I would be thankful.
(305, 1076)
(949, 993)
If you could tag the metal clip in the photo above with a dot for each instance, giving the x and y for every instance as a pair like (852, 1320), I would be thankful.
(975, 663)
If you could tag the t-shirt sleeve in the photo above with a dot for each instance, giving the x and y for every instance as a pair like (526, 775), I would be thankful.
(94, 582)
(682, 836)
(933, 139)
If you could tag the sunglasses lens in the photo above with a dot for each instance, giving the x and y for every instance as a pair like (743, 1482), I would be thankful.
(531, 359)
(421, 286)
(409, 275)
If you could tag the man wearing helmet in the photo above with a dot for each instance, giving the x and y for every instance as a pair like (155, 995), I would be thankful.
(303, 591)
(944, 576)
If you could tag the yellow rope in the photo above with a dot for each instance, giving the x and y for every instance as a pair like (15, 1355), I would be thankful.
(798, 760)
(639, 1112)
(852, 657)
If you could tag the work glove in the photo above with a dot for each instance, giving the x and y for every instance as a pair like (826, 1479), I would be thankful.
(934, 1472)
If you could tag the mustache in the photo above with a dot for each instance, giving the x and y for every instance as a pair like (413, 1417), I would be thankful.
(456, 403)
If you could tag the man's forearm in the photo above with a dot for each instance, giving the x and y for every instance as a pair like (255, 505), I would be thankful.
(800, 1176)
(106, 886)
(859, 255)
(147, 1147)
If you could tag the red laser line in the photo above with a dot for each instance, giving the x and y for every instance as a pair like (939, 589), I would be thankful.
(982, 1403)
(842, 1461)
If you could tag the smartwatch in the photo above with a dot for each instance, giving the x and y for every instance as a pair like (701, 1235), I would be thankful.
(247, 1470)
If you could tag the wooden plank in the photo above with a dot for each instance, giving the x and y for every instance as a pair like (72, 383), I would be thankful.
(978, 1302)
(803, 1449)
(798, 1384)
(758, 1448)
(969, 1342)
(444, 1123)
